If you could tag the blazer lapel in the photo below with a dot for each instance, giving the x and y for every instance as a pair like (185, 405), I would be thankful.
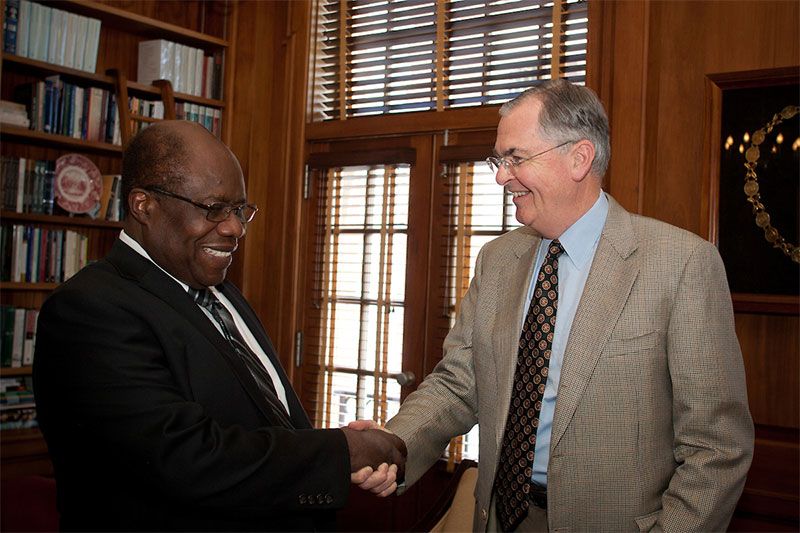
(607, 289)
(514, 289)
(152, 279)
(296, 411)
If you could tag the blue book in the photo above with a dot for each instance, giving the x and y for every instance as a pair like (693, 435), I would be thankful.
(10, 24)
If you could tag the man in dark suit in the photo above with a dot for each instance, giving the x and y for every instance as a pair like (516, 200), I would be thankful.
(160, 395)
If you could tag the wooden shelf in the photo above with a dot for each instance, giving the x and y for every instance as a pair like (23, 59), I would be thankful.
(23, 453)
(766, 303)
(51, 140)
(15, 63)
(7, 371)
(81, 220)
(141, 88)
(127, 21)
(22, 286)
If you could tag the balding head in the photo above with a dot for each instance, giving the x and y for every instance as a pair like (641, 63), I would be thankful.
(158, 155)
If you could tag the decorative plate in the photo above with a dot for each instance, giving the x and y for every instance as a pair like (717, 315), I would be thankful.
(78, 184)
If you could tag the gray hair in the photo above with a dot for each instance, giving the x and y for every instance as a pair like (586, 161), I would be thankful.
(569, 113)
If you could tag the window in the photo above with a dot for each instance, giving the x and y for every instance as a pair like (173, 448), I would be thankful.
(393, 56)
(355, 327)
(359, 292)
(476, 210)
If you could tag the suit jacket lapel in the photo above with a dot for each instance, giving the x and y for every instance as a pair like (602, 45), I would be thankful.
(133, 266)
(613, 271)
(297, 413)
(514, 290)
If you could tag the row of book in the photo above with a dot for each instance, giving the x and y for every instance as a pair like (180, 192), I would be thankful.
(66, 109)
(17, 407)
(50, 34)
(17, 335)
(28, 184)
(33, 255)
(210, 117)
(188, 69)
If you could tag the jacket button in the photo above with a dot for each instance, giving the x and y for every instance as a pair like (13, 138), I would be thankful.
(302, 499)
(328, 499)
(484, 514)
(320, 498)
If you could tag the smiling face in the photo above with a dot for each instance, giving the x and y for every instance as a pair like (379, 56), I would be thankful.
(177, 234)
(549, 191)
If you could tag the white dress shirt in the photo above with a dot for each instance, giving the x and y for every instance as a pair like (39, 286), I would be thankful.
(244, 331)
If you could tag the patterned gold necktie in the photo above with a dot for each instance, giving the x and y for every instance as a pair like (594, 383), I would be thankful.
(514, 470)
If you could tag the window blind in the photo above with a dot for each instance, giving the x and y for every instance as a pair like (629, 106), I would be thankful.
(392, 56)
(358, 294)
(475, 210)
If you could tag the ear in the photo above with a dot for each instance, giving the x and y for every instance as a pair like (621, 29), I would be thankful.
(141, 205)
(581, 162)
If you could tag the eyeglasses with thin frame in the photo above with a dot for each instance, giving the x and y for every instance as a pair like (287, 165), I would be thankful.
(216, 212)
(511, 165)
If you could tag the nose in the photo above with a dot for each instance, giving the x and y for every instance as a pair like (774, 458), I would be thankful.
(232, 226)
(503, 175)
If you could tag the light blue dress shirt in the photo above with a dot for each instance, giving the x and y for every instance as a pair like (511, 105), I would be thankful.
(580, 243)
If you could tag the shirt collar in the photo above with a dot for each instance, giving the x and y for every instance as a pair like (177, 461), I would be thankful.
(580, 239)
(130, 241)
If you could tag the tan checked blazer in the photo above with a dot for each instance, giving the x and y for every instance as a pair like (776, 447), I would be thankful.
(651, 429)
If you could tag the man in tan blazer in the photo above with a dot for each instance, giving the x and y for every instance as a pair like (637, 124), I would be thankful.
(644, 424)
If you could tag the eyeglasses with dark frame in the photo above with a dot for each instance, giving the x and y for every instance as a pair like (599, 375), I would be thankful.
(511, 165)
(216, 212)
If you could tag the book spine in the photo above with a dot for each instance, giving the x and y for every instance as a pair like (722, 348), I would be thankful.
(10, 26)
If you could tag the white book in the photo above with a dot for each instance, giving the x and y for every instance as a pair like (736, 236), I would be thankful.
(69, 254)
(177, 67)
(23, 27)
(56, 29)
(187, 65)
(21, 185)
(78, 114)
(62, 36)
(198, 69)
(43, 31)
(191, 59)
(69, 47)
(33, 35)
(80, 42)
(92, 45)
(155, 61)
(19, 337)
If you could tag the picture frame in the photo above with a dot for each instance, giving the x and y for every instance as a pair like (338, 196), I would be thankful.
(762, 278)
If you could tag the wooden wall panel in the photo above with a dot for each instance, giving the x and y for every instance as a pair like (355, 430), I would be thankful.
(659, 53)
(267, 137)
(653, 59)
(648, 63)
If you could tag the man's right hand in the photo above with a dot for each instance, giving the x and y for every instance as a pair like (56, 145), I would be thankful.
(380, 451)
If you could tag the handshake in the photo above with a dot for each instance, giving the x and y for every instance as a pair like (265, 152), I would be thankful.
(377, 457)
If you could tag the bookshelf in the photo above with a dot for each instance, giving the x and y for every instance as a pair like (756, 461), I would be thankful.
(208, 26)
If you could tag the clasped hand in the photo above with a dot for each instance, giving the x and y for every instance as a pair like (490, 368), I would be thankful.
(377, 457)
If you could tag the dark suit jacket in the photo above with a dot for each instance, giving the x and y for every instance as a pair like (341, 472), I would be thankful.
(153, 423)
